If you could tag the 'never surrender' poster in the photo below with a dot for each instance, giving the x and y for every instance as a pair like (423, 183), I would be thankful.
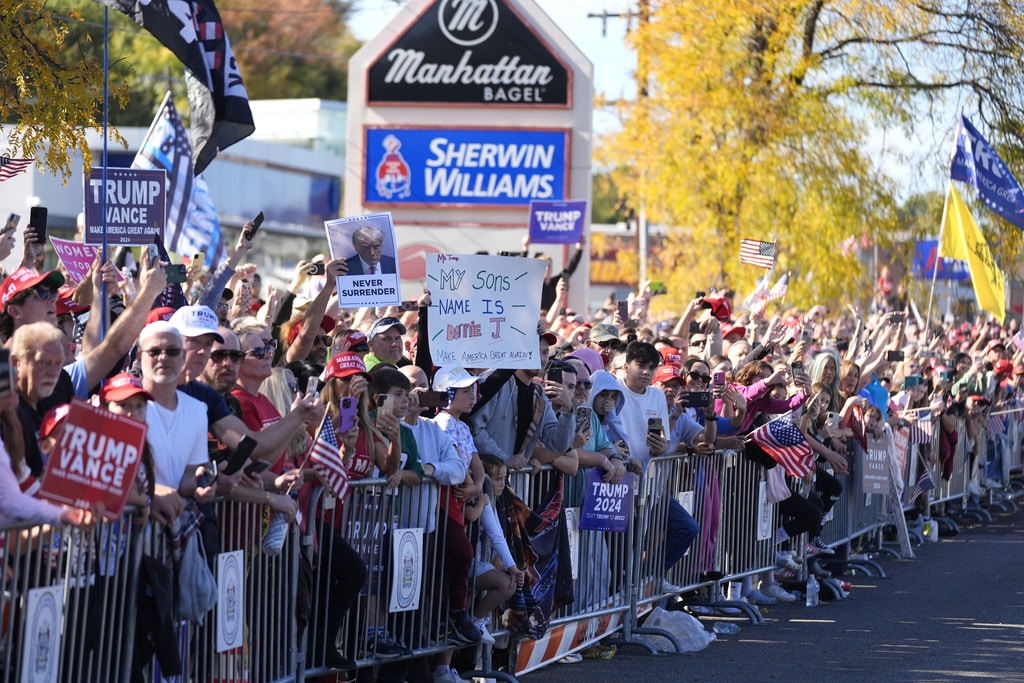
(484, 310)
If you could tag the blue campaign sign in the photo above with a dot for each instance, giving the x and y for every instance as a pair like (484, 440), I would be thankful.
(135, 206)
(925, 253)
(557, 222)
(606, 507)
(478, 166)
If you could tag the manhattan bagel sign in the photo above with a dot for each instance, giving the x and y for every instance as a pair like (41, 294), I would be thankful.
(469, 52)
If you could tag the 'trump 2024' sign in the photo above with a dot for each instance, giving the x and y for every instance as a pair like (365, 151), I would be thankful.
(441, 166)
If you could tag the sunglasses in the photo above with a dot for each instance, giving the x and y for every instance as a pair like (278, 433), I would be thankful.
(698, 342)
(221, 355)
(584, 384)
(610, 344)
(172, 352)
(260, 353)
(699, 377)
(322, 339)
(43, 293)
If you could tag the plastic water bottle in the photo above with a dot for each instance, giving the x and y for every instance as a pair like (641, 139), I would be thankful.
(812, 591)
(726, 628)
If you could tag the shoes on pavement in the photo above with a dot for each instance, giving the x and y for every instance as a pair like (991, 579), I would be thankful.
(756, 597)
(778, 592)
(485, 635)
(599, 651)
(571, 658)
(447, 675)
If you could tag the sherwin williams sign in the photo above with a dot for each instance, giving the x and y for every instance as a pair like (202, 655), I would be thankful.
(476, 52)
(442, 166)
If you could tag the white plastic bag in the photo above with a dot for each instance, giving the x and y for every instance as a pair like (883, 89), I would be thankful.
(688, 631)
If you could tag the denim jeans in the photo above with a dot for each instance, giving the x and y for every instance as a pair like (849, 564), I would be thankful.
(682, 530)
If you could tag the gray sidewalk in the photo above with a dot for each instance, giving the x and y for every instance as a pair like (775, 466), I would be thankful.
(956, 613)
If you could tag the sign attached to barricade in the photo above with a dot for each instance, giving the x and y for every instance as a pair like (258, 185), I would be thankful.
(606, 507)
(406, 569)
(230, 606)
(134, 203)
(367, 243)
(875, 472)
(76, 257)
(95, 460)
(557, 222)
(572, 528)
(40, 651)
(484, 310)
(764, 513)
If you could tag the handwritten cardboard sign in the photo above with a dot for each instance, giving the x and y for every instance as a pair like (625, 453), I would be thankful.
(484, 310)
(95, 460)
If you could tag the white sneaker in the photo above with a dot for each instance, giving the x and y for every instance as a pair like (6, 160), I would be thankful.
(448, 676)
(485, 635)
(778, 592)
(571, 658)
(756, 597)
(785, 559)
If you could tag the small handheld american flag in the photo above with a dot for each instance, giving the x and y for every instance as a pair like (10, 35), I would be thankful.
(325, 457)
(757, 253)
(783, 441)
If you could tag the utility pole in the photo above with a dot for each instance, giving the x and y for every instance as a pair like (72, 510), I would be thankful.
(643, 15)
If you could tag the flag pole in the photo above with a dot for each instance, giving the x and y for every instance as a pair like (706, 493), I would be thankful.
(938, 250)
(309, 451)
(103, 195)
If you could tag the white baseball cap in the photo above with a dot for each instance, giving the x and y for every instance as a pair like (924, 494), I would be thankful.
(195, 321)
(453, 377)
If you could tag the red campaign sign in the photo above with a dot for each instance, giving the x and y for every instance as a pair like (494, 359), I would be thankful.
(95, 460)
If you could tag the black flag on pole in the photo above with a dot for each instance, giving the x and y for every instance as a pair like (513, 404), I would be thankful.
(192, 30)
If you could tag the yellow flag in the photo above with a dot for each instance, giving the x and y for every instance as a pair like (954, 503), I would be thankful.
(962, 239)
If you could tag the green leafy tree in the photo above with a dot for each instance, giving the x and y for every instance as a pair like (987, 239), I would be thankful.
(754, 118)
(50, 90)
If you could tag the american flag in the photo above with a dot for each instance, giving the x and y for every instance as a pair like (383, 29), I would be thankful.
(192, 224)
(924, 482)
(757, 253)
(325, 457)
(779, 289)
(783, 441)
(219, 105)
(11, 167)
(920, 429)
(758, 299)
(995, 426)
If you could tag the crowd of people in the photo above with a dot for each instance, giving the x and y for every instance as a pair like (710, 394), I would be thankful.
(218, 361)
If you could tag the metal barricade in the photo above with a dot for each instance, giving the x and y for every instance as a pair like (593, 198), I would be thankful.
(745, 543)
(67, 599)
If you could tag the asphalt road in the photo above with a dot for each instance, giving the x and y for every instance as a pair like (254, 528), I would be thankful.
(956, 613)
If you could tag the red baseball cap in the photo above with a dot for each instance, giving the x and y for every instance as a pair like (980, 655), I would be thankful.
(53, 419)
(666, 373)
(160, 313)
(1003, 368)
(65, 302)
(720, 307)
(121, 387)
(671, 356)
(345, 365)
(327, 324)
(993, 343)
(355, 341)
(24, 279)
(734, 331)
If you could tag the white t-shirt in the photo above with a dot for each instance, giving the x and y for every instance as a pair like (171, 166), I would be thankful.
(177, 438)
(636, 409)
